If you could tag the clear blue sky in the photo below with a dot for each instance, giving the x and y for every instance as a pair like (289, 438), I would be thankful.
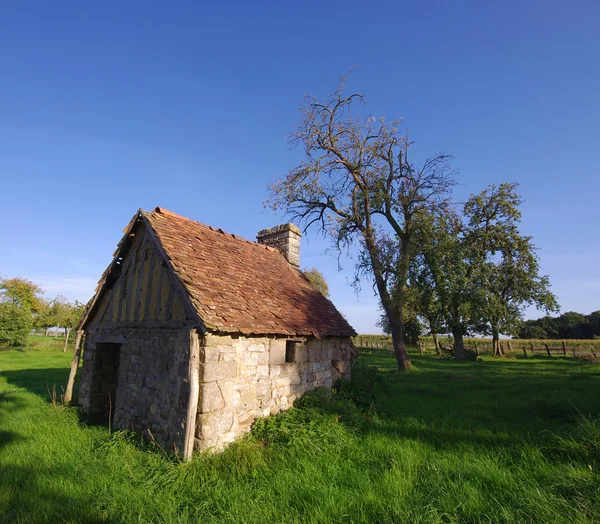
(106, 107)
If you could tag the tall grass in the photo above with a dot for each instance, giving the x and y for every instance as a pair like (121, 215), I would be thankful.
(490, 441)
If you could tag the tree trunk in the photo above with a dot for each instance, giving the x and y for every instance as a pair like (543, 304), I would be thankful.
(459, 344)
(74, 367)
(436, 343)
(420, 344)
(402, 359)
(67, 333)
(496, 351)
(56, 332)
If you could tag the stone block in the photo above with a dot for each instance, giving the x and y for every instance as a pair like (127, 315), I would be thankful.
(263, 392)
(314, 351)
(246, 420)
(210, 398)
(287, 381)
(277, 352)
(211, 426)
(208, 354)
(283, 381)
(227, 356)
(337, 353)
(342, 366)
(322, 376)
(248, 398)
(290, 368)
(301, 353)
(335, 375)
(213, 371)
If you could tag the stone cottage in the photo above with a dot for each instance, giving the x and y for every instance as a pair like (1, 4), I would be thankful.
(193, 333)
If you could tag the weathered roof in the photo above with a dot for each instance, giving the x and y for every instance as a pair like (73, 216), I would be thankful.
(239, 286)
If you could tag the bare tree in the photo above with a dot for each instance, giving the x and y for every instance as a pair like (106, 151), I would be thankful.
(356, 184)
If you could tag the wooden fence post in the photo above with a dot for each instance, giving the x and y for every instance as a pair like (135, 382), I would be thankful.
(74, 367)
(194, 385)
(573, 349)
(548, 350)
(532, 349)
(564, 348)
(524, 351)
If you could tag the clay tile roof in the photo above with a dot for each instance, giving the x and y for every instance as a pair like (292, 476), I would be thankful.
(244, 287)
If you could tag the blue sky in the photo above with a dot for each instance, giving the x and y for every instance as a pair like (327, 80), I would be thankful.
(107, 107)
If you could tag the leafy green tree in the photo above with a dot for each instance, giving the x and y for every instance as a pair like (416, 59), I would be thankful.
(357, 185)
(572, 325)
(317, 279)
(593, 322)
(20, 302)
(549, 325)
(507, 261)
(62, 313)
(425, 301)
(15, 323)
(532, 331)
(413, 328)
(22, 292)
(448, 265)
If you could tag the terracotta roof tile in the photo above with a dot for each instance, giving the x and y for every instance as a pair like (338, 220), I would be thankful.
(241, 286)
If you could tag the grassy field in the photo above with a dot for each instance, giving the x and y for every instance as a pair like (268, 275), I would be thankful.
(492, 441)
(484, 345)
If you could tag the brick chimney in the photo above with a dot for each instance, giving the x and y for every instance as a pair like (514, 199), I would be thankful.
(285, 238)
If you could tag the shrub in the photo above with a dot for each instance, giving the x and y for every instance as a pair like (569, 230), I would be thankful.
(15, 324)
(326, 418)
(450, 354)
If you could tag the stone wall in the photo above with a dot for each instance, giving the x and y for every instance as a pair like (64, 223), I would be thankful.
(242, 378)
(149, 385)
(145, 372)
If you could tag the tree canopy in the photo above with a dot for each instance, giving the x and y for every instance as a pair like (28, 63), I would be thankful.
(569, 325)
(357, 185)
(317, 279)
(477, 271)
(22, 292)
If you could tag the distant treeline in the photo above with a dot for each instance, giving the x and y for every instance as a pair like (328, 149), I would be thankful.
(567, 326)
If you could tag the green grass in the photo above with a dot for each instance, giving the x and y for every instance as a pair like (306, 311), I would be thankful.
(492, 441)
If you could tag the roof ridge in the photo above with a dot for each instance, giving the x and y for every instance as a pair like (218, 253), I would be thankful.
(167, 213)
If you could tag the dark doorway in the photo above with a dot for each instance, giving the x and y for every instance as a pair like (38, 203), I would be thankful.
(106, 376)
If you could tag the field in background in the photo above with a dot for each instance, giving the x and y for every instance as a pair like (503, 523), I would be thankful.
(484, 345)
(514, 440)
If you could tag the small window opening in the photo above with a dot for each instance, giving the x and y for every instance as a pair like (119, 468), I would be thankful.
(290, 350)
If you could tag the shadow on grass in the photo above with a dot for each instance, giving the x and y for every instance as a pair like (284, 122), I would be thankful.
(39, 381)
(36, 494)
(9, 402)
(491, 404)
